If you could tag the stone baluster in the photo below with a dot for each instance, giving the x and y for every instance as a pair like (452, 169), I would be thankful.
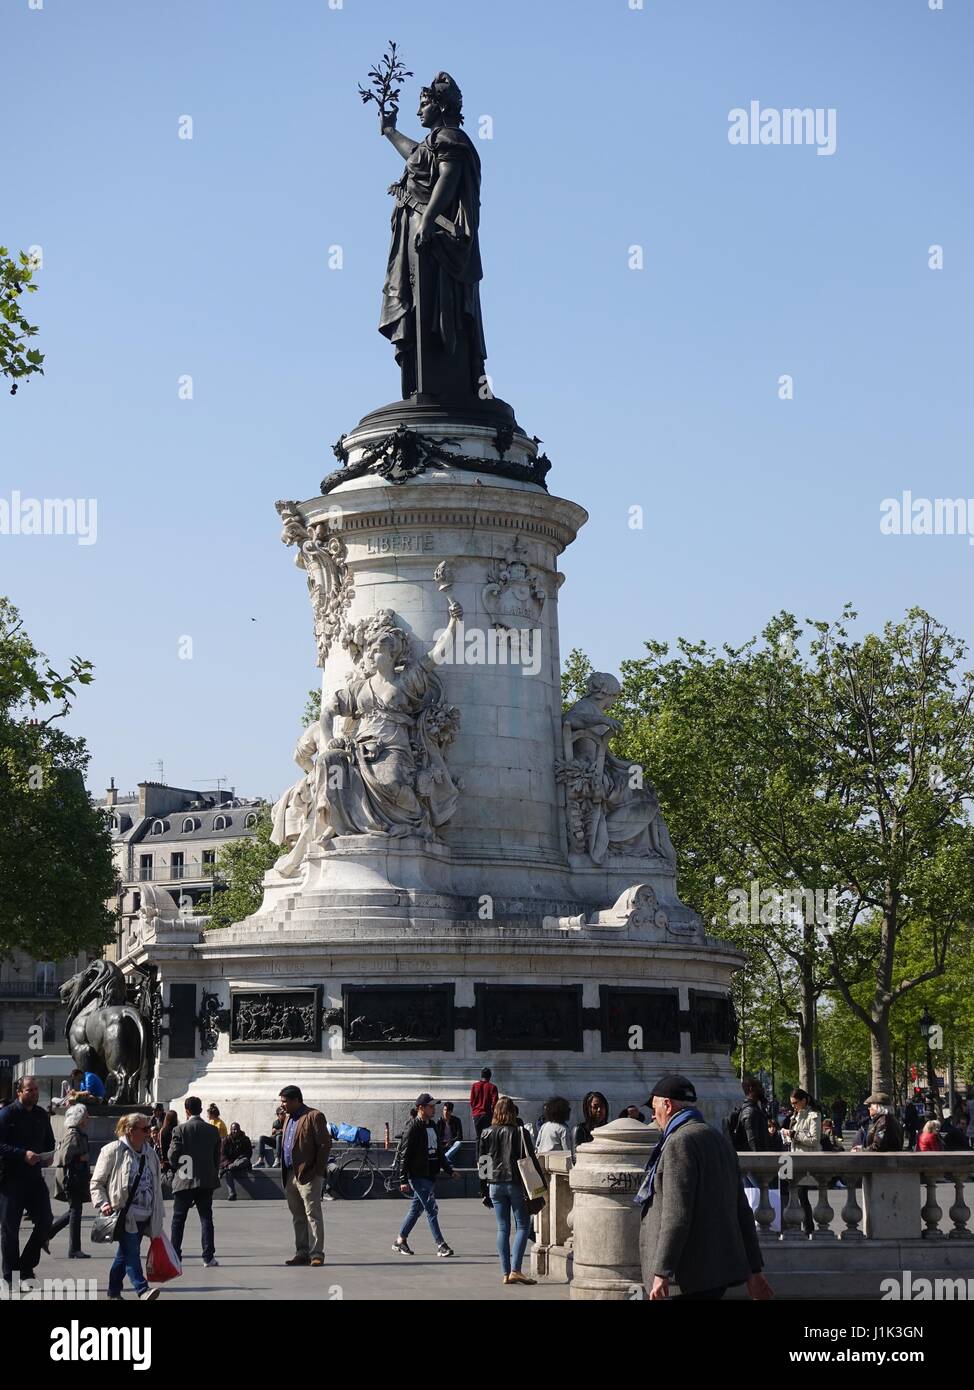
(851, 1211)
(931, 1210)
(960, 1212)
(822, 1211)
(764, 1216)
(792, 1215)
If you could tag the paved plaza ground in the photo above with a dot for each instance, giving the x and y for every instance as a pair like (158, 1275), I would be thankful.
(254, 1238)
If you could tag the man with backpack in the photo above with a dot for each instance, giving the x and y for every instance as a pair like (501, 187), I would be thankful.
(748, 1125)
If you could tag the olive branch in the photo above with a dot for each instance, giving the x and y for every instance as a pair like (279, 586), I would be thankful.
(386, 82)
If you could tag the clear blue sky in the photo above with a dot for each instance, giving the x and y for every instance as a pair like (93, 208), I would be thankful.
(655, 387)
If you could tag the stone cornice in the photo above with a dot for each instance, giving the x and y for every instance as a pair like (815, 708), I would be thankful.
(535, 515)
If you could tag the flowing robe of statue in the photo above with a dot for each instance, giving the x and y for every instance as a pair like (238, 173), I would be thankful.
(389, 775)
(386, 774)
(449, 273)
(621, 815)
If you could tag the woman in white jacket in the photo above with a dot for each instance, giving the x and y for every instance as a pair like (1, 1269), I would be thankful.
(805, 1132)
(127, 1173)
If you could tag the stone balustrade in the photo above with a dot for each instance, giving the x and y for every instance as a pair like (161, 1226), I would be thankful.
(898, 1191)
(896, 1218)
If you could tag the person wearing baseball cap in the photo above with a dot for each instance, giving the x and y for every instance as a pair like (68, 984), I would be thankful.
(697, 1228)
(420, 1156)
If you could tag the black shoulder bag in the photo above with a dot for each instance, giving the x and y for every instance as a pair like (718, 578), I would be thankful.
(105, 1229)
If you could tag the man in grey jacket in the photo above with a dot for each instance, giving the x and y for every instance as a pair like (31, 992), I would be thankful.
(697, 1229)
(194, 1156)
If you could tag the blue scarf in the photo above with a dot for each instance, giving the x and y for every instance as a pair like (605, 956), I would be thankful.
(645, 1193)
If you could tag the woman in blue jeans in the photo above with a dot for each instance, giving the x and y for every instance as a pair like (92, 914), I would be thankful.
(501, 1145)
(127, 1179)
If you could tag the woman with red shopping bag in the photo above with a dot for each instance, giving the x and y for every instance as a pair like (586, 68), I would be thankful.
(126, 1187)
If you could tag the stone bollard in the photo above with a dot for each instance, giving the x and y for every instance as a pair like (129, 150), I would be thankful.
(605, 1222)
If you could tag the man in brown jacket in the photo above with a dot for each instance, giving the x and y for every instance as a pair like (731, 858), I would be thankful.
(304, 1158)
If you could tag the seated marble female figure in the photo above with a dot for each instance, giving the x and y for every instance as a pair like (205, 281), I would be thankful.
(386, 773)
(623, 813)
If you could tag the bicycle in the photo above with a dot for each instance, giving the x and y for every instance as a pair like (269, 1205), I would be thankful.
(356, 1173)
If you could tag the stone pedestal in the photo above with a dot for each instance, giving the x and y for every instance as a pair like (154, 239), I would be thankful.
(605, 1222)
(383, 964)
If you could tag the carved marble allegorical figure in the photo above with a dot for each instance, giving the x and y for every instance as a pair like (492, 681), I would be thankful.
(611, 809)
(386, 773)
(321, 553)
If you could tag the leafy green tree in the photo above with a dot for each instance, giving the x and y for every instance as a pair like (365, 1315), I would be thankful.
(56, 867)
(17, 360)
(845, 769)
(575, 673)
(716, 731)
(312, 708)
(767, 1038)
(239, 872)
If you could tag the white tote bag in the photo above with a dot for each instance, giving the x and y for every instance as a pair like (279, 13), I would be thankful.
(531, 1179)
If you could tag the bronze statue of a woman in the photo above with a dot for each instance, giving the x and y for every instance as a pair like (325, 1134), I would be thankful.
(431, 294)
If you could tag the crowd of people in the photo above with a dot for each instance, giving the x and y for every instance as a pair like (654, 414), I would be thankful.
(158, 1156)
(876, 1125)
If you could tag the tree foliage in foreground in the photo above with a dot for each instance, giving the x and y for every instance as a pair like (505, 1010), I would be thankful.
(17, 359)
(56, 868)
(240, 868)
(808, 761)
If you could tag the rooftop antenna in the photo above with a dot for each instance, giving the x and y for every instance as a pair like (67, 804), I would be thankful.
(162, 772)
(201, 781)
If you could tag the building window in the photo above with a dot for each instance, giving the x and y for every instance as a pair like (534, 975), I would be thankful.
(176, 864)
(209, 862)
(158, 827)
(220, 822)
(136, 901)
(44, 977)
(145, 866)
(251, 821)
(189, 825)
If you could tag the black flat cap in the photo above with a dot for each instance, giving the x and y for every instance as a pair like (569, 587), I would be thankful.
(673, 1086)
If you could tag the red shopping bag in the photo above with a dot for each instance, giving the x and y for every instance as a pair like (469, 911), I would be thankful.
(163, 1262)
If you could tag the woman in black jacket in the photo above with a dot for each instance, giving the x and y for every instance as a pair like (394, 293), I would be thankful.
(502, 1144)
(595, 1113)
